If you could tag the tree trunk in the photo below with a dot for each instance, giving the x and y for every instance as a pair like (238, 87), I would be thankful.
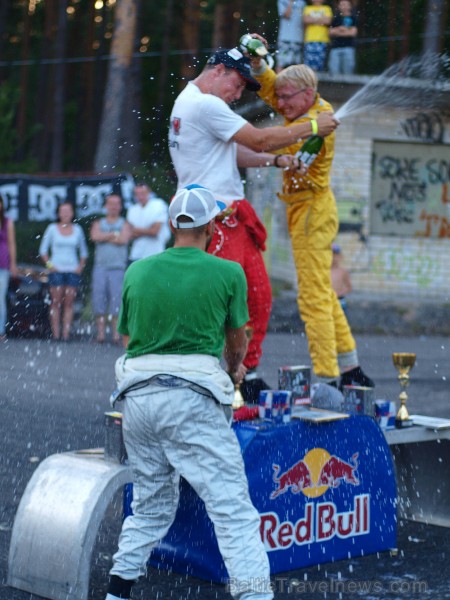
(190, 37)
(4, 6)
(115, 91)
(57, 151)
(44, 92)
(24, 78)
(406, 27)
(433, 26)
(129, 154)
(221, 25)
(88, 77)
(226, 25)
(391, 31)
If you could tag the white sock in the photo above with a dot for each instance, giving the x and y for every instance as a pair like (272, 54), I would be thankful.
(111, 597)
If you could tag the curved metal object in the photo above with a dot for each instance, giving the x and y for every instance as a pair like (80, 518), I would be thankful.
(57, 523)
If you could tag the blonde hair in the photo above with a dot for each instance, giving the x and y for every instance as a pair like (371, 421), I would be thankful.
(298, 76)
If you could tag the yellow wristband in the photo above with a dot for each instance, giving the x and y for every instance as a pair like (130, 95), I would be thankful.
(48, 264)
(314, 126)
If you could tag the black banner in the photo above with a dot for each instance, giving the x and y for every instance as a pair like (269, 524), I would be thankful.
(36, 198)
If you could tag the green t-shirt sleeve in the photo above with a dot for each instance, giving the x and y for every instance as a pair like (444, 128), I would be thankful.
(238, 310)
(122, 321)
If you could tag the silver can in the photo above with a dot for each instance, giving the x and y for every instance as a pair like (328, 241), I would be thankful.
(296, 379)
(358, 400)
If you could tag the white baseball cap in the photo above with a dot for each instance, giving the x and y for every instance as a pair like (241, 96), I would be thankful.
(195, 202)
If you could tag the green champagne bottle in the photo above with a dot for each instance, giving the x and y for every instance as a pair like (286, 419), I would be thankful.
(310, 149)
(252, 46)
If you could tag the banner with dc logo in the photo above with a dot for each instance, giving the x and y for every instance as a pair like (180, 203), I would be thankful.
(36, 198)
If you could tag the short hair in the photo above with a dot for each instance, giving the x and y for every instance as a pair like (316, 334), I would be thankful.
(298, 76)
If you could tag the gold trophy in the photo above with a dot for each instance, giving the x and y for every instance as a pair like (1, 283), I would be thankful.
(403, 362)
(238, 401)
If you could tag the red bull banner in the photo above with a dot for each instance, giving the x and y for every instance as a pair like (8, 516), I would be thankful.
(325, 492)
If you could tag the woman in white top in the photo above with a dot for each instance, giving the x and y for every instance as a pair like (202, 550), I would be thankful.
(64, 252)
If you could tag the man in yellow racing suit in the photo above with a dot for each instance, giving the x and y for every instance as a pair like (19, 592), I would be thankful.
(313, 224)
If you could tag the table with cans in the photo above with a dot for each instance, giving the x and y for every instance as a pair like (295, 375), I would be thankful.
(325, 488)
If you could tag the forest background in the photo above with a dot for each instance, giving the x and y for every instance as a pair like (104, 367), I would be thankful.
(88, 85)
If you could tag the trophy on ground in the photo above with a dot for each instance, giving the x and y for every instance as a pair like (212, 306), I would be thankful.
(403, 362)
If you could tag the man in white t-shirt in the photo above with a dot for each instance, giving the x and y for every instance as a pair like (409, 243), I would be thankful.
(208, 142)
(149, 223)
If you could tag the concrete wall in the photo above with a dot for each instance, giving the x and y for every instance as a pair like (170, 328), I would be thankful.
(382, 267)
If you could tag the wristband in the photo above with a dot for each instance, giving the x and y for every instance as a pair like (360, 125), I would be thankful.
(275, 161)
(48, 264)
(314, 127)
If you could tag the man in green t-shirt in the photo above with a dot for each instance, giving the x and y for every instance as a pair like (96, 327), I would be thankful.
(180, 310)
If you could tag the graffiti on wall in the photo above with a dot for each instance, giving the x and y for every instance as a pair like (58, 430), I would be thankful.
(419, 268)
(427, 127)
(410, 190)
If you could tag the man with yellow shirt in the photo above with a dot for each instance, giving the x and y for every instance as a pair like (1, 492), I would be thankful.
(313, 224)
(316, 19)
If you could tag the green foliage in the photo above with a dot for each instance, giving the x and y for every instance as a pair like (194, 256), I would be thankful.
(9, 97)
(381, 34)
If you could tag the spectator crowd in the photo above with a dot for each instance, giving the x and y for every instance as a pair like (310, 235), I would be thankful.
(315, 34)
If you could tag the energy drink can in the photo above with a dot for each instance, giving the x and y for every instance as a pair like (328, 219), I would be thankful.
(358, 400)
(275, 406)
(385, 414)
(114, 446)
(297, 380)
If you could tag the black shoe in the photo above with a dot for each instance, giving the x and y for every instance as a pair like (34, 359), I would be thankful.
(250, 389)
(356, 377)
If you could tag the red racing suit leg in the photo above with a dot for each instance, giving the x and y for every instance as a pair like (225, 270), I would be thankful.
(240, 237)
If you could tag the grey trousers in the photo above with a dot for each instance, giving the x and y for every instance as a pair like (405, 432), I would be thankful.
(176, 432)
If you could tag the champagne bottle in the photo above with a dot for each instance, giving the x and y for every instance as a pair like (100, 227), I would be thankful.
(310, 149)
(252, 46)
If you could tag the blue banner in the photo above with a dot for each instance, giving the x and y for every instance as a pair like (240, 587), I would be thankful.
(325, 492)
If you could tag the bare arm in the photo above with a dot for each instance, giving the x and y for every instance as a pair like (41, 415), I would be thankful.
(12, 248)
(151, 231)
(288, 12)
(248, 158)
(277, 137)
(234, 352)
(309, 20)
(122, 238)
(342, 31)
(97, 235)
(347, 282)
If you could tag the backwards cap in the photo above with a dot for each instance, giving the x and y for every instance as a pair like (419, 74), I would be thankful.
(195, 202)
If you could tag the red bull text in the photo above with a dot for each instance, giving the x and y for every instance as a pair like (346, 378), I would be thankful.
(313, 475)
(320, 522)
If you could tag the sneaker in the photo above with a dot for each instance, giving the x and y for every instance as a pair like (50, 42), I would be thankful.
(356, 376)
(251, 386)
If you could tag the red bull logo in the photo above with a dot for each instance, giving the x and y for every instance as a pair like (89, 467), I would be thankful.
(320, 522)
(176, 125)
(315, 473)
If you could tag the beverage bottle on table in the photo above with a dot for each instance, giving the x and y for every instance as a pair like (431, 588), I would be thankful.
(310, 149)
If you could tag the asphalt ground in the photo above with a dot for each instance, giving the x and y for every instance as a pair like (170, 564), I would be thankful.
(53, 397)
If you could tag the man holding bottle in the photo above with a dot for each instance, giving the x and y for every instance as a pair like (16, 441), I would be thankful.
(208, 141)
(313, 224)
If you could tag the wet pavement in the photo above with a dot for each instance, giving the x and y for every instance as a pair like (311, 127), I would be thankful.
(53, 397)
